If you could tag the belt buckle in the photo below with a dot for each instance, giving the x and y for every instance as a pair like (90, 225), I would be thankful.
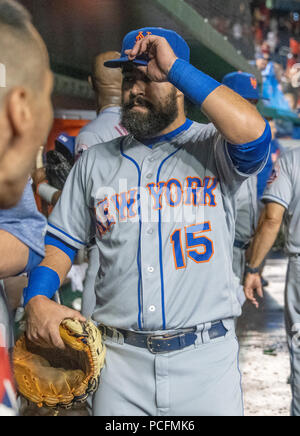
(162, 337)
(149, 344)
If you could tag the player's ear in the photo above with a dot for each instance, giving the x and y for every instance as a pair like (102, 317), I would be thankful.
(19, 110)
(179, 94)
(180, 99)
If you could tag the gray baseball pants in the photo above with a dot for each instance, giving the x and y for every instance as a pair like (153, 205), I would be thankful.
(292, 319)
(200, 380)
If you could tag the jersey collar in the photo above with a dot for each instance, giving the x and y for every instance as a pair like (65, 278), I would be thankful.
(151, 142)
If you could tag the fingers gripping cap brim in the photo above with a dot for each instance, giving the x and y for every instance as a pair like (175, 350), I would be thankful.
(177, 43)
(117, 63)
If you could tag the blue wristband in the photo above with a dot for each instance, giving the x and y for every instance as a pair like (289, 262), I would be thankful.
(191, 82)
(42, 281)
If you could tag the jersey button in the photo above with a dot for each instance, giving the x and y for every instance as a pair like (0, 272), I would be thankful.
(150, 269)
(150, 231)
(149, 176)
(152, 308)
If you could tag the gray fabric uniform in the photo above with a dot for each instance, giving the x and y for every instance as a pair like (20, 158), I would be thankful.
(6, 330)
(164, 219)
(246, 221)
(284, 188)
(104, 128)
(201, 380)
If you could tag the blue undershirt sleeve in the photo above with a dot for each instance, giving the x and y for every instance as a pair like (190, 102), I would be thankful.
(34, 259)
(250, 158)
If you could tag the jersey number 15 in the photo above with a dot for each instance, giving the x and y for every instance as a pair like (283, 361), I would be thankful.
(193, 240)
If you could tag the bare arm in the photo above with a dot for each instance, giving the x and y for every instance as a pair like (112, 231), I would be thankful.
(236, 119)
(13, 255)
(43, 315)
(265, 236)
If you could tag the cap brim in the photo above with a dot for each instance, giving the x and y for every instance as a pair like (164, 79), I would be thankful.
(117, 63)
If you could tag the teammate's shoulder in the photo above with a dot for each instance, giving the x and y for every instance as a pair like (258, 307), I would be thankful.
(109, 147)
(111, 114)
(91, 127)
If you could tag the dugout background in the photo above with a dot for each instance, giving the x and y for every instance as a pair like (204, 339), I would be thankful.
(218, 32)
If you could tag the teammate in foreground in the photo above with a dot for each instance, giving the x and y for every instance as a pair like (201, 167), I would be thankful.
(160, 203)
(25, 119)
(281, 199)
(25, 103)
(22, 234)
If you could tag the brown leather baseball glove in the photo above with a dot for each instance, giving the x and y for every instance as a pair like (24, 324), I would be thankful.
(53, 377)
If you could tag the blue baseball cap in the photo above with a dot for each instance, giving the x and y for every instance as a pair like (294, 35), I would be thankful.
(244, 84)
(65, 141)
(178, 44)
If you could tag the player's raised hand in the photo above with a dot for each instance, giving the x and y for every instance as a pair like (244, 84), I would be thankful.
(252, 285)
(160, 54)
(43, 318)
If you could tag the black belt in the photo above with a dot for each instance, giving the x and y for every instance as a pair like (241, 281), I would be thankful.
(163, 343)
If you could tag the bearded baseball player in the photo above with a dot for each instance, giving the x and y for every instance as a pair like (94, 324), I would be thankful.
(160, 203)
(281, 199)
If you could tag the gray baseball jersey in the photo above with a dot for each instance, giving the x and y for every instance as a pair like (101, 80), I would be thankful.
(247, 214)
(284, 188)
(246, 210)
(164, 221)
(6, 331)
(103, 129)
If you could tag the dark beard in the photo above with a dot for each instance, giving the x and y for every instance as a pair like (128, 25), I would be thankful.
(150, 124)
